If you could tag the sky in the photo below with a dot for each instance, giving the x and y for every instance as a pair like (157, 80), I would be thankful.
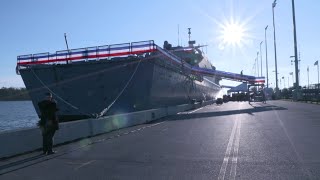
(36, 26)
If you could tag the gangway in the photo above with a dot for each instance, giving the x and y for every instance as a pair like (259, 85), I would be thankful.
(212, 72)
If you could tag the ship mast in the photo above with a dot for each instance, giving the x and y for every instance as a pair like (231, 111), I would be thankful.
(65, 38)
(191, 43)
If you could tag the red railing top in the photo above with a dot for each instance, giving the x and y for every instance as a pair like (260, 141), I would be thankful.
(89, 53)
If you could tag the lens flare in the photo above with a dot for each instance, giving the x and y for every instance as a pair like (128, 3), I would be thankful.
(232, 34)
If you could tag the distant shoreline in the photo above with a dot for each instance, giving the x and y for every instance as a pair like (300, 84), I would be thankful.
(14, 100)
(14, 94)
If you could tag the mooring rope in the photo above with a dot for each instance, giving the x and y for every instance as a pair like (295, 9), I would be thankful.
(104, 111)
(56, 95)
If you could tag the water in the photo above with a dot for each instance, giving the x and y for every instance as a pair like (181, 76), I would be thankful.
(17, 115)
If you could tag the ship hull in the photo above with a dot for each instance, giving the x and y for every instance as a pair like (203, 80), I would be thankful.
(105, 87)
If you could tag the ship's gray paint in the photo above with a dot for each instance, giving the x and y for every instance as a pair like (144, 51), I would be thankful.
(84, 89)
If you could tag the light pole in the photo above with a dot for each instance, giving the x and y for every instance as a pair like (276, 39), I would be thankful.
(280, 82)
(291, 73)
(258, 62)
(295, 46)
(284, 82)
(257, 74)
(278, 74)
(275, 46)
(265, 40)
(288, 83)
(261, 57)
(318, 73)
(294, 85)
(255, 66)
(317, 64)
(308, 76)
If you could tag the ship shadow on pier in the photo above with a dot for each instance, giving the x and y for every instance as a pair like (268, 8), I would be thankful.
(255, 109)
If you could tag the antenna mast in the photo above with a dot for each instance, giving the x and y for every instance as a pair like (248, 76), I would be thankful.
(65, 38)
(189, 32)
(191, 43)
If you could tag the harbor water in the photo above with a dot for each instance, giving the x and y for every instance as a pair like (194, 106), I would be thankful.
(16, 115)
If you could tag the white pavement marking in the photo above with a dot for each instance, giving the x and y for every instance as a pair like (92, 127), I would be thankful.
(84, 164)
(155, 124)
(227, 154)
(234, 138)
(164, 129)
(195, 110)
(233, 171)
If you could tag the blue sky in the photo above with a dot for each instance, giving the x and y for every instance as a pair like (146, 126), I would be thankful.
(36, 26)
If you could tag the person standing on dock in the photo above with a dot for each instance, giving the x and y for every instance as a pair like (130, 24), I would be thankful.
(48, 123)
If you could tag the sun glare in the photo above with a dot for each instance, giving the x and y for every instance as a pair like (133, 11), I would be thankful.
(232, 33)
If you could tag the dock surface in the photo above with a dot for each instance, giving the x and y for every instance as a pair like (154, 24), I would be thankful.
(276, 140)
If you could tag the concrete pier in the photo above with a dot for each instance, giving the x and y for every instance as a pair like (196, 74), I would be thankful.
(277, 140)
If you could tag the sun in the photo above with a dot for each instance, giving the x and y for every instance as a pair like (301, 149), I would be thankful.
(232, 33)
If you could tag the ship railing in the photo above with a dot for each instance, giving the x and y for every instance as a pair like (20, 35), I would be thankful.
(87, 54)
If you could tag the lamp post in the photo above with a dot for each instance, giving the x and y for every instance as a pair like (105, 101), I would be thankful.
(317, 64)
(261, 57)
(274, 71)
(295, 46)
(255, 67)
(258, 62)
(308, 76)
(275, 46)
(284, 82)
(265, 40)
(318, 75)
(280, 83)
(291, 73)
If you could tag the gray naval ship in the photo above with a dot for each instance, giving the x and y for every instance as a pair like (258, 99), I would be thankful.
(120, 78)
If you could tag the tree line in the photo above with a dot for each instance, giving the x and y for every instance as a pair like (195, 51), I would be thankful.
(14, 94)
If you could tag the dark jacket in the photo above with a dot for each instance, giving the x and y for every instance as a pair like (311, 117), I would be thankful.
(48, 111)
